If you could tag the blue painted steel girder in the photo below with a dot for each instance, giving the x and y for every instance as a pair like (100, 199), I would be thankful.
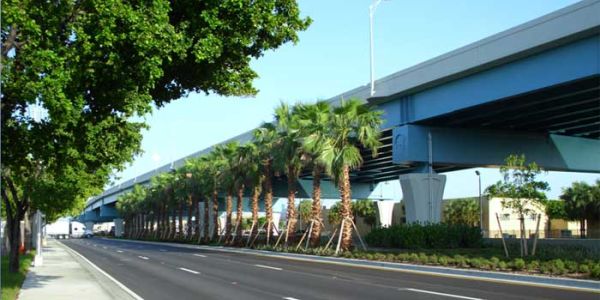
(480, 147)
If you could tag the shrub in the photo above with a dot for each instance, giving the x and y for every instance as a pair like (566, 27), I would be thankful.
(494, 262)
(502, 265)
(584, 269)
(518, 264)
(428, 236)
(475, 262)
(533, 265)
(558, 267)
(403, 257)
(571, 266)
(546, 267)
(423, 258)
(433, 259)
(595, 271)
(443, 260)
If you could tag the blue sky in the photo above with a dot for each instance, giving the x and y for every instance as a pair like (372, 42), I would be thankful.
(331, 57)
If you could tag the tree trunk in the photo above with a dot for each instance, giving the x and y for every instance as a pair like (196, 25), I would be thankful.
(255, 195)
(291, 209)
(189, 223)
(228, 213)
(215, 203)
(205, 221)
(268, 200)
(180, 230)
(14, 236)
(240, 213)
(173, 218)
(346, 209)
(582, 234)
(315, 236)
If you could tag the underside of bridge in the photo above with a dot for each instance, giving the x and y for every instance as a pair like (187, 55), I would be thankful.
(570, 110)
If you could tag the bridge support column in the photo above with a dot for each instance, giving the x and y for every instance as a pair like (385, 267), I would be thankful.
(118, 227)
(422, 196)
(89, 226)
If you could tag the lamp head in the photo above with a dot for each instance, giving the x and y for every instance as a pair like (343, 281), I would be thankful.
(477, 172)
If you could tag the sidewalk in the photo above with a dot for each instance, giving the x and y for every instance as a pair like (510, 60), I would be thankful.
(65, 275)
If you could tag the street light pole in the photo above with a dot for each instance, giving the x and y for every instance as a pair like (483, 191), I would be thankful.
(372, 9)
(480, 201)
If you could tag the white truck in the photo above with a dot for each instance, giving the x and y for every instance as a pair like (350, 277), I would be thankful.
(64, 228)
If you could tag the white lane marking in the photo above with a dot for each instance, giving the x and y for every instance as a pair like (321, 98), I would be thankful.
(188, 270)
(122, 286)
(120, 251)
(269, 267)
(163, 250)
(199, 255)
(290, 298)
(440, 294)
(143, 257)
(103, 247)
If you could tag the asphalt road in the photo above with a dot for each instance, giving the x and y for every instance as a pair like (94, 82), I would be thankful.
(171, 272)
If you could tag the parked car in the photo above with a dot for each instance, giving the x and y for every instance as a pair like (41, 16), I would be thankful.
(88, 233)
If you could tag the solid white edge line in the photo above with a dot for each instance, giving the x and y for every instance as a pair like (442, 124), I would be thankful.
(143, 257)
(268, 267)
(122, 286)
(188, 270)
(440, 294)
(199, 255)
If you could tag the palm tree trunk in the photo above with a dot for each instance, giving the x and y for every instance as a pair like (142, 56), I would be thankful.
(228, 213)
(346, 209)
(255, 195)
(315, 235)
(180, 229)
(240, 212)
(196, 201)
(291, 209)
(205, 221)
(189, 224)
(215, 203)
(268, 200)
(173, 218)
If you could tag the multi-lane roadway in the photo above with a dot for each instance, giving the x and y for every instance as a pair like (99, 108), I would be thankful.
(155, 271)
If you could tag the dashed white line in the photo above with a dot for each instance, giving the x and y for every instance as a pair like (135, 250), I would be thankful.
(188, 270)
(103, 247)
(269, 267)
(290, 298)
(120, 251)
(199, 255)
(440, 294)
(163, 250)
(143, 257)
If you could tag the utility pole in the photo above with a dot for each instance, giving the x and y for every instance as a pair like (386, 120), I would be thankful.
(372, 9)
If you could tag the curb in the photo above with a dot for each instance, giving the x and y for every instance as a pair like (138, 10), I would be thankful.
(519, 279)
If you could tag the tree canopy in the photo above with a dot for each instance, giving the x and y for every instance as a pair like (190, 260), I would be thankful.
(462, 211)
(76, 74)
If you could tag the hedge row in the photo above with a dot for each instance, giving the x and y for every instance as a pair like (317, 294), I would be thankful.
(425, 236)
(586, 268)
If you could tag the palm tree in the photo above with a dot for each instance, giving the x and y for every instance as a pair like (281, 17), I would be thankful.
(164, 188)
(254, 179)
(352, 125)
(227, 179)
(265, 138)
(313, 120)
(289, 155)
(212, 165)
